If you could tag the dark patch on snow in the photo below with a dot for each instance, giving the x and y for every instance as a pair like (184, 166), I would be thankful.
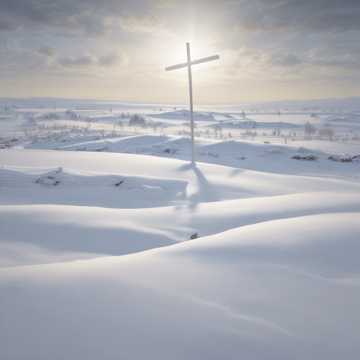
(170, 151)
(8, 143)
(119, 183)
(50, 179)
(305, 157)
(344, 159)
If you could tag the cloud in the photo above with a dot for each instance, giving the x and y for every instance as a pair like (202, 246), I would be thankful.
(145, 24)
(107, 60)
(46, 51)
(7, 24)
(94, 17)
(258, 39)
(285, 60)
(69, 61)
(310, 15)
(293, 33)
(87, 16)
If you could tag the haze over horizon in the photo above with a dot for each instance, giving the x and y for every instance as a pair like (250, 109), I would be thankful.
(270, 49)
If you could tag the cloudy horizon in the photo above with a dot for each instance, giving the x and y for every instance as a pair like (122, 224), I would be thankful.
(270, 49)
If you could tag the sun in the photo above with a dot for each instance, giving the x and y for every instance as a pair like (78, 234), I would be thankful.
(175, 53)
(200, 47)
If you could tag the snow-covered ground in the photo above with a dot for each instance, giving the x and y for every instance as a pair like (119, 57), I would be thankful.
(113, 246)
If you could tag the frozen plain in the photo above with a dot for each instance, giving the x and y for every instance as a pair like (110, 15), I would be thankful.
(97, 262)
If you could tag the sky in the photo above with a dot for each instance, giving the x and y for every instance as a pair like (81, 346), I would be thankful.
(118, 49)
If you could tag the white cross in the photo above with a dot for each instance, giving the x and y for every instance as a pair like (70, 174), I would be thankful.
(188, 64)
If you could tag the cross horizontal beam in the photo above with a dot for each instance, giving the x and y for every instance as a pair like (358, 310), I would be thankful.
(194, 62)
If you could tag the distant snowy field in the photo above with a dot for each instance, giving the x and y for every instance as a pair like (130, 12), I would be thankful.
(112, 246)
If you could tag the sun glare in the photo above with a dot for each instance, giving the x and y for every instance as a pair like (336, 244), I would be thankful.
(175, 53)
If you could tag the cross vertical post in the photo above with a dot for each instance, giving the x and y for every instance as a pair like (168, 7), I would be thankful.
(188, 65)
(191, 104)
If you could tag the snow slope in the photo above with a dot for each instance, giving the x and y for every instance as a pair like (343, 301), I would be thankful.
(96, 261)
(274, 158)
(278, 290)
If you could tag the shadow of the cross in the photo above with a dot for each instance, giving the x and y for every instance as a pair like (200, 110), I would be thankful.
(204, 191)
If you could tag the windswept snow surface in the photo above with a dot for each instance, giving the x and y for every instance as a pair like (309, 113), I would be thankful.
(276, 290)
(273, 158)
(96, 260)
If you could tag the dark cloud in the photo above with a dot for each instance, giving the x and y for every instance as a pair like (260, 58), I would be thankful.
(7, 24)
(289, 33)
(89, 16)
(312, 15)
